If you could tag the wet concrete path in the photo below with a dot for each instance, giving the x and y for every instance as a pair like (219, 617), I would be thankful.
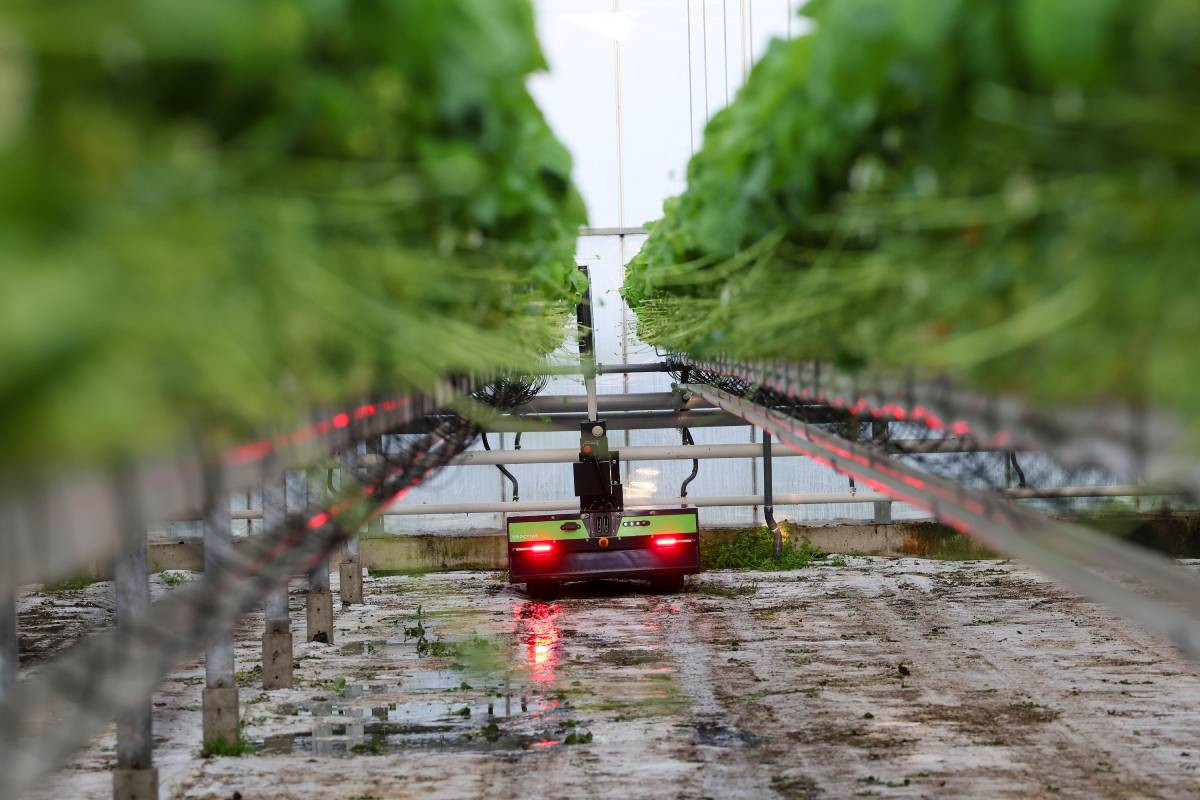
(858, 677)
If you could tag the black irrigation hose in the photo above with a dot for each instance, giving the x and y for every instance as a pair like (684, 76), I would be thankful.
(1012, 459)
(510, 392)
(516, 490)
(687, 440)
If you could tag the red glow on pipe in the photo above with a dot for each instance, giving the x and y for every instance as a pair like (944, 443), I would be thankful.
(956, 523)
(318, 520)
(875, 486)
(396, 497)
(252, 452)
(960, 427)
(256, 451)
(302, 434)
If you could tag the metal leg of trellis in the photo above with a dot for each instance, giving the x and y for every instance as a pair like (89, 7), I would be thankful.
(883, 508)
(319, 600)
(350, 580)
(277, 635)
(769, 497)
(220, 697)
(135, 776)
(375, 524)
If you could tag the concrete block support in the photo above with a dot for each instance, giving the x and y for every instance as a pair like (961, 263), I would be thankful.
(221, 719)
(219, 701)
(135, 784)
(319, 608)
(350, 577)
(277, 660)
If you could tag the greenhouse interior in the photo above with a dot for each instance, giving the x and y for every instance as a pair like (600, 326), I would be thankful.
(599, 399)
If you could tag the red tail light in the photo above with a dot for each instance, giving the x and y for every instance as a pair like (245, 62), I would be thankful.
(666, 541)
(541, 548)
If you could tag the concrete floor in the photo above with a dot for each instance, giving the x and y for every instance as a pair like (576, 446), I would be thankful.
(860, 676)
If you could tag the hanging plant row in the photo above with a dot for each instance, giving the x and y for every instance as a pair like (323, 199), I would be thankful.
(1006, 192)
(217, 216)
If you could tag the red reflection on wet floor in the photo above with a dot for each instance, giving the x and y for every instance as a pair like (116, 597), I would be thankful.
(538, 633)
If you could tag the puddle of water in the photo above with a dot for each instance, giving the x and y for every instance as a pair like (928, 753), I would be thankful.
(379, 738)
(412, 711)
(715, 734)
(442, 709)
(353, 690)
(379, 648)
(541, 639)
(435, 680)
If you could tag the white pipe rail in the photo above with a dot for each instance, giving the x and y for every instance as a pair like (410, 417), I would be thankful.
(566, 455)
(813, 498)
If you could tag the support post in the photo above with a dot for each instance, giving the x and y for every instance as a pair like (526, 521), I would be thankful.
(219, 701)
(350, 579)
(10, 664)
(9, 637)
(375, 523)
(882, 508)
(9, 653)
(769, 498)
(587, 346)
(319, 600)
(135, 776)
(277, 636)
